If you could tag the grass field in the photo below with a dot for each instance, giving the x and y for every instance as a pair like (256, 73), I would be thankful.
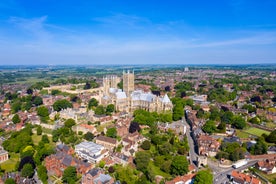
(100, 128)
(242, 134)
(157, 171)
(256, 131)
(10, 164)
(36, 138)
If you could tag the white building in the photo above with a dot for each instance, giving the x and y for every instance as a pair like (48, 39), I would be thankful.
(90, 151)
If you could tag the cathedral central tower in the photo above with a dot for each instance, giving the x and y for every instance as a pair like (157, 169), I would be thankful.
(128, 82)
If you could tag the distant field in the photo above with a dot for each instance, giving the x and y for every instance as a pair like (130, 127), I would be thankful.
(256, 131)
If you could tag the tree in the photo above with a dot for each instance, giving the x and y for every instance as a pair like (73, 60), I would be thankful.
(146, 145)
(69, 175)
(238, 122)
(29, 91)
(10, 181)
(45, 139)
(227, 117)
(209, 127)
(27, 171)
(179, 165)
(16, 106)
(43, 112)
(255, 120)
(88, 136)
(37, 101)
(39, 130)
(111, 132)
(92, 103)
(69, 123)
(178, 111)
(100, 110)
(142, 159)
(134, 126)
(271, 137)
(259, 148)
(110, 108)
(16, 119)
(62, 104)
(203, 177)
(42, 173)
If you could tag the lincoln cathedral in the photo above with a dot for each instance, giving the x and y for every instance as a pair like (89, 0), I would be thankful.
(129, 99)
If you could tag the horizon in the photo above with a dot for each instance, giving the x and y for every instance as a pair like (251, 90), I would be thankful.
(236, 32)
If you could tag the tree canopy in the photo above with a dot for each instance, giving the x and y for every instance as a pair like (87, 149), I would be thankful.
(179, 165)
(69, 175)
(62, 104)
(203, 177)
(16, 119)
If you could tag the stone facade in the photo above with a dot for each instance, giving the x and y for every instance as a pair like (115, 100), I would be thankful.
(129, 99)
(4, 156)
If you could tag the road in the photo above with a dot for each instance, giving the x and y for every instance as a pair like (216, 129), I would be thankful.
(221, 177)
(192, 153)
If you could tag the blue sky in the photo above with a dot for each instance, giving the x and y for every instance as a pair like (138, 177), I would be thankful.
(137, 32)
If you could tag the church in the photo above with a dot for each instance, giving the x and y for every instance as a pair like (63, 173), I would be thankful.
(128, 99)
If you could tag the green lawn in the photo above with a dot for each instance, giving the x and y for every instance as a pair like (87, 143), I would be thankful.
(10, 164)
(46, 130)
(156, 170)
(256, 131)
(36, 138)
(242, 135)
(100, 128)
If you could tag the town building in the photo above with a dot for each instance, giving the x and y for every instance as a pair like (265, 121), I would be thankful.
(4, 155)
(58, 162)
(207, 145)
(108, 142)
(268, 166)
(241, 178)
(96, 176)
(129, 99)
(90, 151)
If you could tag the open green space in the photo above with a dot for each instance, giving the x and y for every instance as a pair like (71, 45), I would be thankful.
(241, 134)
(46, 130)
(100, 128)
(256, 131)
(156, 170)
(36, 138)
(10, 164)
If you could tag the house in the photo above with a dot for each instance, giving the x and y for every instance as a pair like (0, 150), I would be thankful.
(90, 151)
(4, 155)
(268, 166)
(57, 163)
(241, 178)
(97, 176)
(207, 145)
(65, 149)
(107, 142)
(120, 158)
(186, 179)
(84, 128)
(271, 150)
(232, 140)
